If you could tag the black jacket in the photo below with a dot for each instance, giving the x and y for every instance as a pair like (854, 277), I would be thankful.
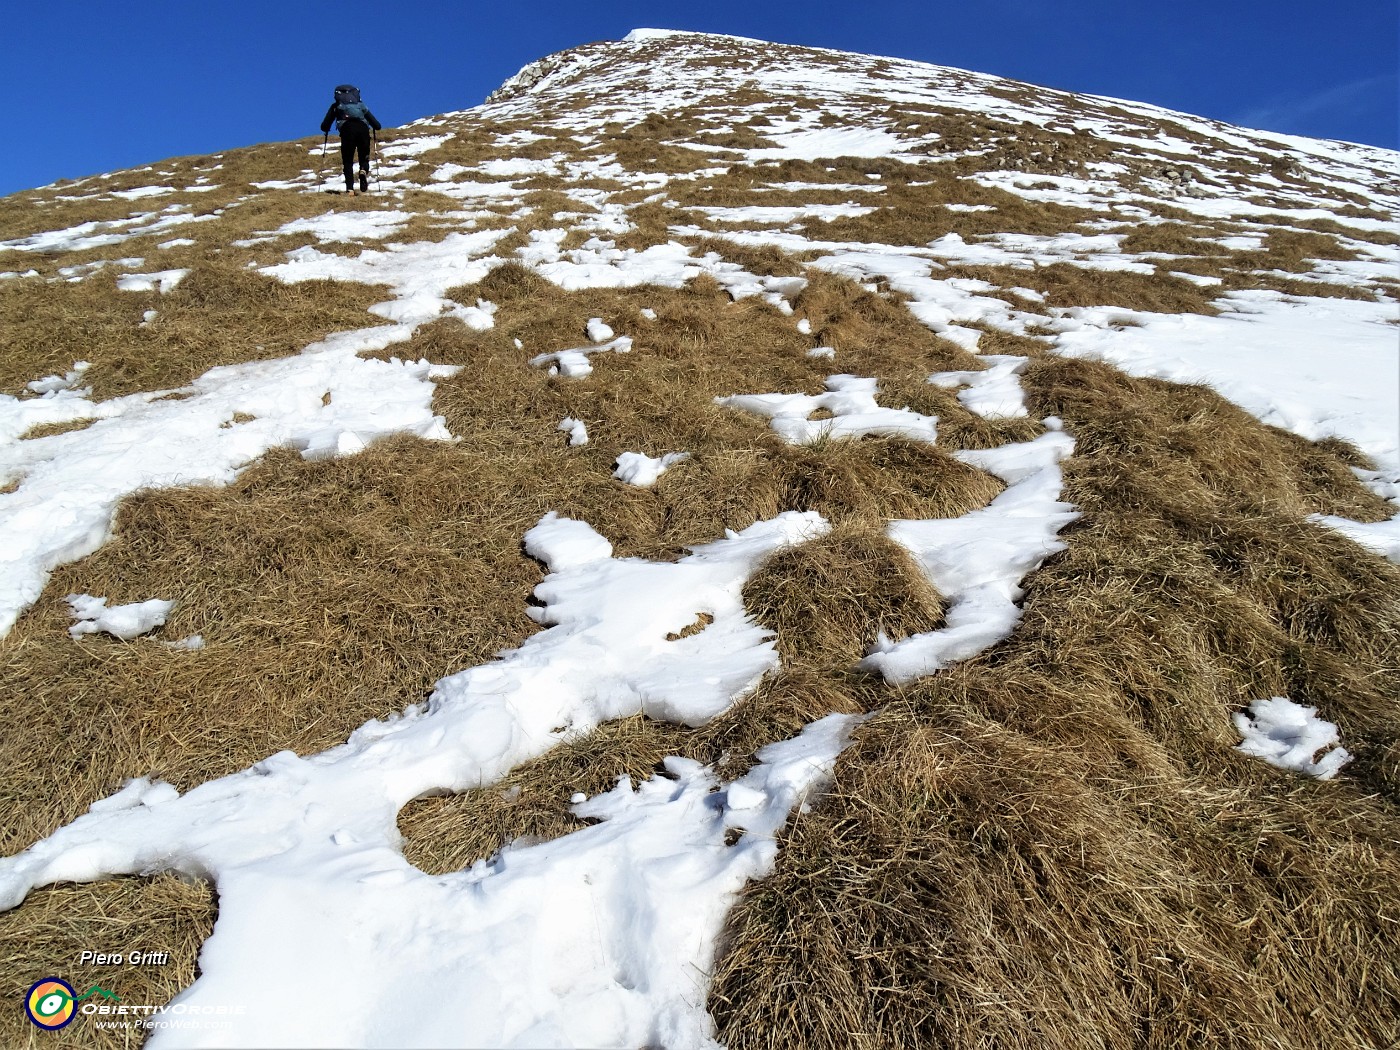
(333, 116)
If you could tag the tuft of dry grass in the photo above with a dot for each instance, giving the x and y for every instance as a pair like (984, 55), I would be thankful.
(44, 430)
(937, 900)
(1172, 238)
(762, 259)
(57, 924)
(1356, 233)
(870, 331)
(1066, 285)
(449, 833)
(829, 598)
(1203, 442)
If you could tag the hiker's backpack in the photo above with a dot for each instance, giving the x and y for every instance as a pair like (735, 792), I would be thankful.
(349, 106)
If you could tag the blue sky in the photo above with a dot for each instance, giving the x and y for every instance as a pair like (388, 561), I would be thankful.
(93, 86)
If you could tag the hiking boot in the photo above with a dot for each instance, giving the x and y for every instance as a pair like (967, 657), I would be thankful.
(364, 182)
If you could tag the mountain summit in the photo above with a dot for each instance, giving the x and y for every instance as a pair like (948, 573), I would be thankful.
(724, 544)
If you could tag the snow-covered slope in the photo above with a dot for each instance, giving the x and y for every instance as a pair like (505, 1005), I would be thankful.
(1127, 165)
(1002, 216)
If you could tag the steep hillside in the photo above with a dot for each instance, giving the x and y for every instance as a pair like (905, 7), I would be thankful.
(725, 543)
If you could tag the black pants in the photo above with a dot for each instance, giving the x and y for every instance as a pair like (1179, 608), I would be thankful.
(354, 138)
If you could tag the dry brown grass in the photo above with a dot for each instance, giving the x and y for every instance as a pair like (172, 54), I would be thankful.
(51, 429)
(56, 925)
(869, 331)
(1172, 238)
(1285, 251)
(1296, 287)
(354, 561)
(1294, 476)
(471, 150)
(444, 834)
(909, 215)
(1290, 250)
(1354, 232)
(762, 259)
(1066, 285)
(830, 598)
(937, 900)
(909, 212)
(1070, 285)
(345, 578)
(1055, 845)
(448, 833)
(357, 583)
(219, 314)
(1052, 846)
(39, 211)
(657, 143)
(233, 173)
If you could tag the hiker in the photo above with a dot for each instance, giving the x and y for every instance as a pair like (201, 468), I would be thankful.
(352, 122)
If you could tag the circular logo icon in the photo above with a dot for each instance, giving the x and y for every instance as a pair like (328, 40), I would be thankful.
(49, 1003)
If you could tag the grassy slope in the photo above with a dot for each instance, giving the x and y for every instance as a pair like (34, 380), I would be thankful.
(1053, 845)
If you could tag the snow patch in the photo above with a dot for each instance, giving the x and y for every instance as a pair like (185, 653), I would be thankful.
(333, 227)
(577, 431)
(1380, 537)
(1289, 736)
(977, 561)
(162, 281)
(69, 381)
(992, 394)
(314, 891)
(850, 400)
(641, 470)
(419, 274)
(73, 481)
(121, 621)
(89, 235)
(1316, 367)
(574, 363)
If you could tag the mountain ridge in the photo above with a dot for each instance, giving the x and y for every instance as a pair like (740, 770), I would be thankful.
(526, 76)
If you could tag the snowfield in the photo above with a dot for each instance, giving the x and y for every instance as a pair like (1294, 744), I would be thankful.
(607, 936)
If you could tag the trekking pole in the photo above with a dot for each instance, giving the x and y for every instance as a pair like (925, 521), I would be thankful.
(321, 171)
(378, 163)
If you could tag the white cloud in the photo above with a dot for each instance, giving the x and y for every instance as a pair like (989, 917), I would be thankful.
(1333, 112)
